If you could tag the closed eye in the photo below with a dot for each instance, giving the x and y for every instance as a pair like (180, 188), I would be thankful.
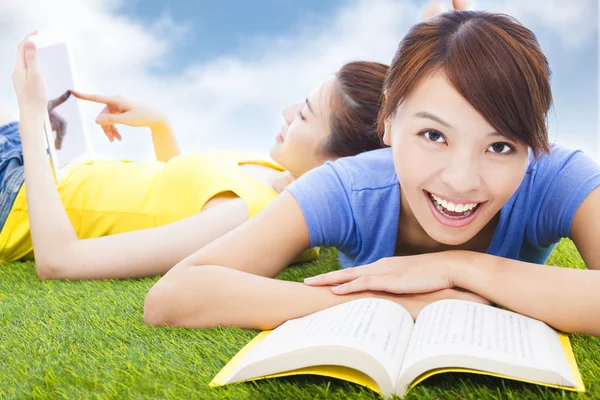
(301, 116)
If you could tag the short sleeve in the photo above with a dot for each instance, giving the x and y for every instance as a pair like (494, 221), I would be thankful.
(323, 197)
(563, 180)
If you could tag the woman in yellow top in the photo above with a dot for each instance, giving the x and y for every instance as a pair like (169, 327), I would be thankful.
(121, 219)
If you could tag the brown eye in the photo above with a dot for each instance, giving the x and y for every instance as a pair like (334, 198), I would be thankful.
(433, 136)
(501, 148)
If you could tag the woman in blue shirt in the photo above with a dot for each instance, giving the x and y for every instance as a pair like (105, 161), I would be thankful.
(469, 200)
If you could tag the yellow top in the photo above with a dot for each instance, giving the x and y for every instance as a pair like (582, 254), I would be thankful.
(108, 197)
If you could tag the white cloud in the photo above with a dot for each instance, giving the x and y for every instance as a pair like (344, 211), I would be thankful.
(229, 101)
(573, 22)
(232, 101)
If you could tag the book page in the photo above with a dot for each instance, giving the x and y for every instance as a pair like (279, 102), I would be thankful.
(380, 328)
(455, 327)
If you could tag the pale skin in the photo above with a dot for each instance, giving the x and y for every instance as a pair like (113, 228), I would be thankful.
(60, 254)
(468, 162)
(31, 89)
(566, 299)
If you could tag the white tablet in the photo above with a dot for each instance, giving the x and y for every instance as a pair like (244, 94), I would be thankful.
(66, 136)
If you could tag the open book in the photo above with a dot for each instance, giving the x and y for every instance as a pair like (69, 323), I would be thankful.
(375, 343)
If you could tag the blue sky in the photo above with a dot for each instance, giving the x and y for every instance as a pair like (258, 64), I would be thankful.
(223, 70)
(218, 27)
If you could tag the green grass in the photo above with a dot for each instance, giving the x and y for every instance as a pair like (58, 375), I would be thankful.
(88, 340)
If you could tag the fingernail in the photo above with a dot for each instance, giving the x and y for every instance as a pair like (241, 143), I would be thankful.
(310, 280)
(337, 289)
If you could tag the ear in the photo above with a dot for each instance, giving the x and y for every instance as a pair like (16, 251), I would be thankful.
(387, 132)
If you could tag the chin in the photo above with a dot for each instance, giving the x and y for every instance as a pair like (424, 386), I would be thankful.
(453, 240)
(275, 155)
(449, 238)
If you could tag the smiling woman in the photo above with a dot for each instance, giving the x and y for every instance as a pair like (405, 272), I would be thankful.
(122, 219)
(466, 101)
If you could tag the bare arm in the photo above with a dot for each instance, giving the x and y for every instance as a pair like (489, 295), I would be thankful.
(60, 254)
(121, 110)
(58, 251)
(567, 299)
(164, 142)
(210, 296)
(228, 282)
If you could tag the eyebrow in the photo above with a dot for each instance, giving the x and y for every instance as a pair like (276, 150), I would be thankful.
(309, 106)
(427, 115)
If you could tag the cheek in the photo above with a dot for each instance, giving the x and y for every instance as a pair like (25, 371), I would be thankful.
(305, 142)
(504, 181)
(412, 166)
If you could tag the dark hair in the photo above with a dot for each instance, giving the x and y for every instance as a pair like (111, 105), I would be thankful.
(355, 104)
(493, 61)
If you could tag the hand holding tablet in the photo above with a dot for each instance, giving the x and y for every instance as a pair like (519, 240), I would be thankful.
(67, 139)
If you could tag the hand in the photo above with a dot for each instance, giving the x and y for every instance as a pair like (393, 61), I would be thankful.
(121, 110)
(422, 273)
(280, 183)
(436, 7)
(27, 78)
(414, 303)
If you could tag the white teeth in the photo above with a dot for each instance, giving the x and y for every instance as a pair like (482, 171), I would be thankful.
(454, 207)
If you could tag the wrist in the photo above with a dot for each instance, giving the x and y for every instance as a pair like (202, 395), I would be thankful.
(160, 126)
(159, 120)
(470, 270)
(32, 110)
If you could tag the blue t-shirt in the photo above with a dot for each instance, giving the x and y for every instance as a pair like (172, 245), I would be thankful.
(354, 204)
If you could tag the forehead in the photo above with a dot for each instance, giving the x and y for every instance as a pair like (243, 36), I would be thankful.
(320, 97)
(437, 96)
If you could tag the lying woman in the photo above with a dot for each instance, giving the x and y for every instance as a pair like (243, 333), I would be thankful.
(128, 219)
(158, 213)
(471, 196)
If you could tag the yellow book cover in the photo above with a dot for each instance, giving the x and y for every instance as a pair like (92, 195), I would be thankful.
(375, 343)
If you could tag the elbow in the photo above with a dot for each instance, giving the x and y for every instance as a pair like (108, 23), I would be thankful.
(181, 299)
(48, 267)
(56, 261)
(157, 304)
(165, 304)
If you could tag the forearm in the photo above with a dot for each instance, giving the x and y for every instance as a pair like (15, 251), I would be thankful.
(146, 252)
(164, 142)
(51, 229)
(567, 299)
(209, 296)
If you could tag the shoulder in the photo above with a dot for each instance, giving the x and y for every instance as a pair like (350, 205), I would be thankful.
(560, 158)
(554, 187)
(367, 171)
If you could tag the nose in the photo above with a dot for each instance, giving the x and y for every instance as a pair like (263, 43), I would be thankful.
(461, 175)
(290, 112)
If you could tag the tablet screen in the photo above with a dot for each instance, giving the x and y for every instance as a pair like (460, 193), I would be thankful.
(65, 131)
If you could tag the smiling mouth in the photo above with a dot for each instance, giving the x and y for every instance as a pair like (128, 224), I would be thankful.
(451, 210)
